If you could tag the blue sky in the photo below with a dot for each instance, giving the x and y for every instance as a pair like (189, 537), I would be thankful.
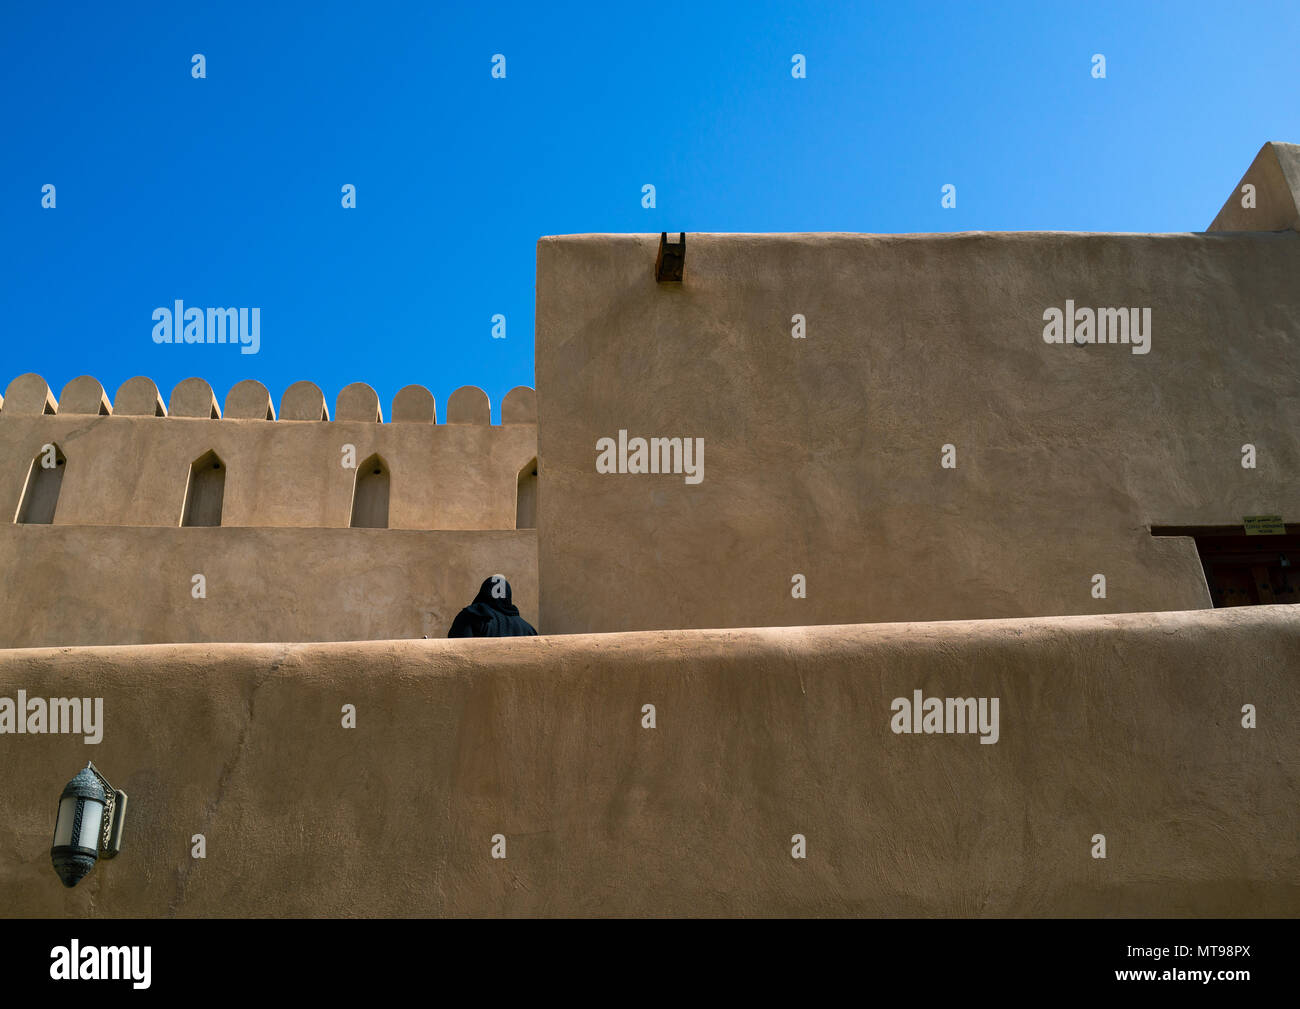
(225, 191)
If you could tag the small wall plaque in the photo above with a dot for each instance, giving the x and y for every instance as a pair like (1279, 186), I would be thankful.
(1264, 525)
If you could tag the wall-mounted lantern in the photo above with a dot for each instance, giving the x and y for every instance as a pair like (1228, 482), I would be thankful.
(88, 825)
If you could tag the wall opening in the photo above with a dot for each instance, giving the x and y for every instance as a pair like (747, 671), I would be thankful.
(526, 497)
(206, 491)
(1243, 570)
(41, 491)
(370, 495)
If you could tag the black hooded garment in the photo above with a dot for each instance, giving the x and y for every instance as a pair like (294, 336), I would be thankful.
(490, 616)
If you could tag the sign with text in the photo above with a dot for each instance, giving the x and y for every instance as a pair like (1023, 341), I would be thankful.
(1264, 525)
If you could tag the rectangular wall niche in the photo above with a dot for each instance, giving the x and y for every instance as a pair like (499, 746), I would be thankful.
(370, 495)
(206, 491)
(41, 492)
(526, 497)
(1243, 570)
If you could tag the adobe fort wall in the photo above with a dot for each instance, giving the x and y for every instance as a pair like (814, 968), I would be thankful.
(131, 469)
(1121, 763)
(1129, 727)
(123, 585)
(115, 567)
(883, 416)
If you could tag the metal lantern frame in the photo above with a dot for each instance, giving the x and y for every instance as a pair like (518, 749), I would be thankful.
(76, 848)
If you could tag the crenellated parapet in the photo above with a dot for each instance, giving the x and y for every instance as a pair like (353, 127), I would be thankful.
(81, 460)
(193, 398)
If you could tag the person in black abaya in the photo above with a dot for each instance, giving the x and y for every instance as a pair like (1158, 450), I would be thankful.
(491, 614)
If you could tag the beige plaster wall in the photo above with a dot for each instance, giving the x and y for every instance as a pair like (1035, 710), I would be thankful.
(127, 470)
(121, 585)
(1274, 176)
(822, 455)
(1127, 726)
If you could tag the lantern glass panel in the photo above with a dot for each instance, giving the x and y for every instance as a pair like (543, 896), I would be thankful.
(92, 822)
(63, 825)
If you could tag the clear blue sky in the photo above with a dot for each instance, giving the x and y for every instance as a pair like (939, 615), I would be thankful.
(226, 191)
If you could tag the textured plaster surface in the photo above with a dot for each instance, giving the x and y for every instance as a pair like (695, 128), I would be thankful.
(96, 585)
(1126, 725)
(822, 455)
